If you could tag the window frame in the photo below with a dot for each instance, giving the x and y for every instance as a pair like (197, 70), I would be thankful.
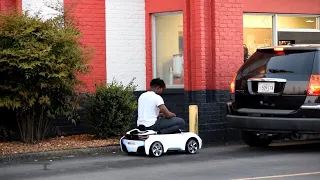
(275, 28)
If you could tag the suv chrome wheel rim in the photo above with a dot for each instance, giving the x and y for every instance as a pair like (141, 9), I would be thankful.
(157, 149)
(192, 146)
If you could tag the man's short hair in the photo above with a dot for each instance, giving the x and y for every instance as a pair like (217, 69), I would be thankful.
(157, 82)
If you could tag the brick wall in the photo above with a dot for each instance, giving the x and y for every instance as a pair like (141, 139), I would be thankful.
(228, 40)
(125, 36)
(213, 53)
(228, 55)
(91, 17)
(6, 5)
(198, 69)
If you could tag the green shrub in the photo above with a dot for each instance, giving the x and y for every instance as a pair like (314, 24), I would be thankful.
(40, 61)
(111, 109)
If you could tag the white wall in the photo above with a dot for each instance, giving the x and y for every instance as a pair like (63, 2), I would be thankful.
(125, 41)
(35, 6)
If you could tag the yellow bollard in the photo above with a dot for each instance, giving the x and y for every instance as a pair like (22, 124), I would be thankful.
(193, 119)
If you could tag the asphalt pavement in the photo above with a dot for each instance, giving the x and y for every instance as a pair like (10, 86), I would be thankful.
(234, 162)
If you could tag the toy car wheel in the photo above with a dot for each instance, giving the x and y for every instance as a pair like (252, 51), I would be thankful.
(156, 149)
(192, 146)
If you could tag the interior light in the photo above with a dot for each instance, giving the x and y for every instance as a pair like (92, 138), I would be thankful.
(309, 21)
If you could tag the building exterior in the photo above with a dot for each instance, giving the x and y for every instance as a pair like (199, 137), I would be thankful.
(196, 46)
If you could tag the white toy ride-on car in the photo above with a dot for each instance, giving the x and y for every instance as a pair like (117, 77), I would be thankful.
(151, 143)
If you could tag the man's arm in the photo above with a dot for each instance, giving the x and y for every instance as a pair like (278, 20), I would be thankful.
(166, 112)
(163, 108)
(161, 114)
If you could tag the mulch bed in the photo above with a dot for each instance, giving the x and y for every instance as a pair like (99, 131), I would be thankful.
(57, 143)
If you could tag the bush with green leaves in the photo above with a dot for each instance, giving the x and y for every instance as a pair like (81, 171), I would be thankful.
(111, 109)
(40, 61)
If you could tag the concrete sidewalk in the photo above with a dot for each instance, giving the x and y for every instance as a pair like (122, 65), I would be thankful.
(60, 154)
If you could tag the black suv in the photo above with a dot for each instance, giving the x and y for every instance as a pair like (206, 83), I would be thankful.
(276, 94)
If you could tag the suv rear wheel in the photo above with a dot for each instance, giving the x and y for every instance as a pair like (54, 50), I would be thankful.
(254, 140)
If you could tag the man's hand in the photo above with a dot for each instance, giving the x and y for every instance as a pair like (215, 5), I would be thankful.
(166, 112)
(161, 115)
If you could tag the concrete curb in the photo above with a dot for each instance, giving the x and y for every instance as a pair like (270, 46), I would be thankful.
(60, 154)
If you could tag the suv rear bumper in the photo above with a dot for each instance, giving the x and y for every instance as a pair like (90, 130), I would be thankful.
(274, 124)
(306, 119)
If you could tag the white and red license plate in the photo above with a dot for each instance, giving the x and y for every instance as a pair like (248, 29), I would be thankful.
(266, 87)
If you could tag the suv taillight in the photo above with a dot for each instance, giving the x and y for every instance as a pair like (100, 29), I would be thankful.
(314, 85)
(232, 85)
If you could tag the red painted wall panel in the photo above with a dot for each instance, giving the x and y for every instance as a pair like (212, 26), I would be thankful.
(91, 16)
(10, 5)
(283, 6)
(199, 48)
(214, 49)
(155, 6)
(148, 50)
(228, 40)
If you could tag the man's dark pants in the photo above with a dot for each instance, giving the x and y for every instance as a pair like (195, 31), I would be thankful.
(168, 125)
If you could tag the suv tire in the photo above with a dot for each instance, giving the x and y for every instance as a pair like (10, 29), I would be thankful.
(253, 140)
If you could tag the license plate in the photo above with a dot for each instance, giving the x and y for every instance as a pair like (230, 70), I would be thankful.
(131, 142)
(265, 87)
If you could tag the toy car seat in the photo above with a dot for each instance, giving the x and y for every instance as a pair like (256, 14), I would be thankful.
(142, 128)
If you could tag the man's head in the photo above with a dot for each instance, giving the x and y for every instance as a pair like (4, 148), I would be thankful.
(157, 85)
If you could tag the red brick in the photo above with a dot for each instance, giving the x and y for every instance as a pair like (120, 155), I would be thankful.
(91, 16)
(228, 28)
(10, 5)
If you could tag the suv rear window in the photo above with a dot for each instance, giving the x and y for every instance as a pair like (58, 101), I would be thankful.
(269, 61)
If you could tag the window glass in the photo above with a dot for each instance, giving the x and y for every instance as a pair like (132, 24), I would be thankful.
(169, 49)
(296, 22)
(257, 31)
(296, 62)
